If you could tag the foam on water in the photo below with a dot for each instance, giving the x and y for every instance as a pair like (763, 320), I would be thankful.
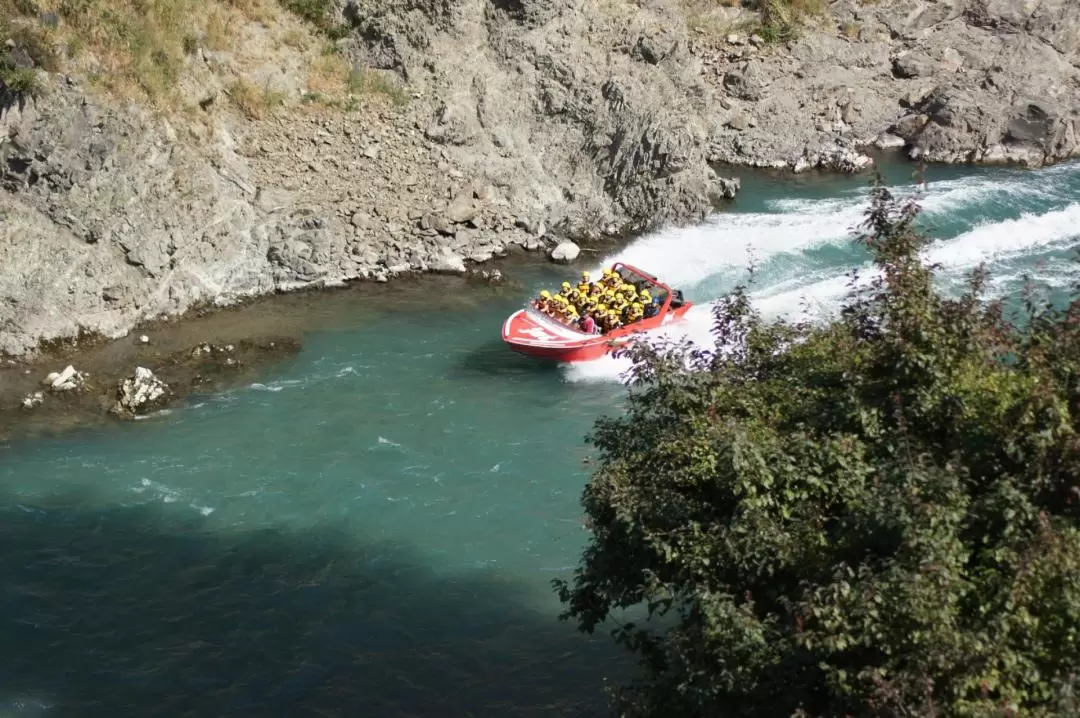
(708, 260)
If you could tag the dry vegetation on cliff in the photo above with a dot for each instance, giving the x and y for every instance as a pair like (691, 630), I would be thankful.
(147, 50)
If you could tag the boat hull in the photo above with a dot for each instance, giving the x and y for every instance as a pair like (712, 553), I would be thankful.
(529, 332)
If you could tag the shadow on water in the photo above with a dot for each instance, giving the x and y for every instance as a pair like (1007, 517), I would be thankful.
(495, 358)
(133, 611)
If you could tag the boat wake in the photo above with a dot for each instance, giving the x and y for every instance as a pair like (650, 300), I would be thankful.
(802, 250)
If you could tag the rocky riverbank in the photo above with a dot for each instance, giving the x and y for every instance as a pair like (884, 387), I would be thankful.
(84, 383)
(464, 132)
(952, 81)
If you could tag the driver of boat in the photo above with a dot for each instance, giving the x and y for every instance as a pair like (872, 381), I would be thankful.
(587, 324)
(652, 306)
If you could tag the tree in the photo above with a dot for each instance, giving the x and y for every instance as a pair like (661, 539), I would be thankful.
(876, 516)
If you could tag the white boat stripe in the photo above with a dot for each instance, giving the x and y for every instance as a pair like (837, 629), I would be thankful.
(554, 326)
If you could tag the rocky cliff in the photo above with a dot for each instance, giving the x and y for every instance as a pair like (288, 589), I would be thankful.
(957, 81)
(498, 124)
(519, 122)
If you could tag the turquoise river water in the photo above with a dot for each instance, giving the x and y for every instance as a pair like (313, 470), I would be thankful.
(372, 528)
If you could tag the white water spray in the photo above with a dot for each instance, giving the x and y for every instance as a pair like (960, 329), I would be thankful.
(788, 243)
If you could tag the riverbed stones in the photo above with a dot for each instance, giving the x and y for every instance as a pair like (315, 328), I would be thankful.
(70, 379)
(447, 261)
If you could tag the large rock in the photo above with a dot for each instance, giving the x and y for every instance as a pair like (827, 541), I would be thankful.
(139, 393)
(565, 252)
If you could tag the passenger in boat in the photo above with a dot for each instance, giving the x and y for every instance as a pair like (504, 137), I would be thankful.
(635, 313)
(570, 293)
(581, 299)
(588, 308)
(561, 307)
(602, 319)
(543, 302)
(586, 283)
(620, 305)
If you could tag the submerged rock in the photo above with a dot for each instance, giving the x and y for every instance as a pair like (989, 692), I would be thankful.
(140, 392)
(491, 276)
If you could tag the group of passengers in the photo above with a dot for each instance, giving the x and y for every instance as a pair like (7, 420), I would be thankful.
(601, 306)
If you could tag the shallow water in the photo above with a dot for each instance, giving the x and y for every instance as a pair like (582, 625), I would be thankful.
(372, 528)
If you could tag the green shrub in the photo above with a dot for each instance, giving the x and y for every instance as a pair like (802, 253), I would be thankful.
(875, 516)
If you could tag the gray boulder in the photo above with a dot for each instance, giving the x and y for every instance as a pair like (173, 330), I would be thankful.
(565, 252)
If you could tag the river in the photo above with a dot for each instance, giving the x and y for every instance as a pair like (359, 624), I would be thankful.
(371, 529)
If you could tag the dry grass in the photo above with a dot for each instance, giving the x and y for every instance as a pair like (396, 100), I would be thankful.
(334, 81)
(139, 49)
(257, 103)
(708, 17)
(134, 48)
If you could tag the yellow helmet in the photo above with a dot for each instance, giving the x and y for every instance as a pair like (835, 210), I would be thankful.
(566, 285)
(545, 294)
(585, 276)
(645, 294)
(601, 307)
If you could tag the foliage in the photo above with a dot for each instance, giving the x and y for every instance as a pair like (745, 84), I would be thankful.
(781, 19)
(319, 13)
(26, 47)
(878, 516)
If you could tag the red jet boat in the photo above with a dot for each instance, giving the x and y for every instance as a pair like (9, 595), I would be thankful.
(530, 331)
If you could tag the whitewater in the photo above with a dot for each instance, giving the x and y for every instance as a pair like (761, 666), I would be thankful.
(1017, 222)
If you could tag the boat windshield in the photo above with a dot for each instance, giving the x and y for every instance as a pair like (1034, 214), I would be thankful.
(641, 283)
